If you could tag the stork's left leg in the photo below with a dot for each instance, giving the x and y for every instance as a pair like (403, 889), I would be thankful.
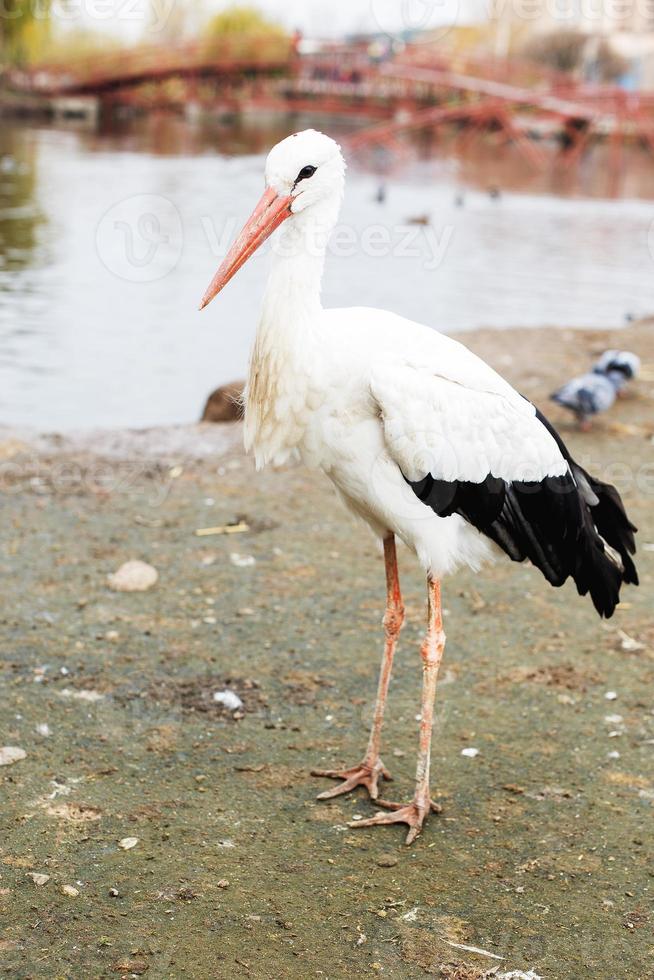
(367, 772)
(414, 813)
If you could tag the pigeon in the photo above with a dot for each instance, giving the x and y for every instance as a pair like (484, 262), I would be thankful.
(620, 366)
(586, 396)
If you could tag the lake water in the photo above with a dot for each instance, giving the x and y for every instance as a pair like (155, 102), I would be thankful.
(108, 240)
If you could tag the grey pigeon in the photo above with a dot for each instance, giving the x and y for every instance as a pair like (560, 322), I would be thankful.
(586, 396)
(620, 366)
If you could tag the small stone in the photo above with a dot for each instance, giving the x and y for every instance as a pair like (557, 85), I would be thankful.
(133, 576)
(84, 695)
(387, 861)
(470, 753)
(10, 754)
(70, 891)
(113, 892)
(223, 883)
(611, 695)
(127, 843)
(228, 699)
(43, 730)
(242, 561)
(38, 879)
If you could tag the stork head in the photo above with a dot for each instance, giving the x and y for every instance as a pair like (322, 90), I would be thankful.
(304, 176)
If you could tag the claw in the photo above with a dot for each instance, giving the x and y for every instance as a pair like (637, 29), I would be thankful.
(361, 775)
(413, 814)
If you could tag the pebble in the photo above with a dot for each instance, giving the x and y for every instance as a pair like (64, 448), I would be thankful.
(387, 861)
(242, 561)
(127, 843)
(70, 891)
(228, 699)
(43, 730)
(611, 695)
(84, 695)
(470, 753)
(133, 576)
(38, 879)
(10, 754)
(223, 883)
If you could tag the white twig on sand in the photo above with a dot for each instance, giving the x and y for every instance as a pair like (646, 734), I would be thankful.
(473, 949)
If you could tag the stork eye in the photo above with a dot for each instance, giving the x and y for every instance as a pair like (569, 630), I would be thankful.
(305, 173)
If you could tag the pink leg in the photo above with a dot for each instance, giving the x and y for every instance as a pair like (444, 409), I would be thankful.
(414, 813)
(367, 773)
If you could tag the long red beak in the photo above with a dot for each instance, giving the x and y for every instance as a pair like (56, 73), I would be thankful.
(269, 213)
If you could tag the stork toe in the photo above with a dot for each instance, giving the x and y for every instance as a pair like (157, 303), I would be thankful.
(361, 775)
(413, 814)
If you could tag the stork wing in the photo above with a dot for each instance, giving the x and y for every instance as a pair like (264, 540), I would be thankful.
(468, 444)
(466, 425)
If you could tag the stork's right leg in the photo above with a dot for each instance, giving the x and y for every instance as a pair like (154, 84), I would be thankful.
(414, 813)
(368, 771)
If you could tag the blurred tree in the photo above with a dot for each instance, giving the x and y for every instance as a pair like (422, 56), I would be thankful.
(23, 23)
(245, 32)
(78, 45)
(242, 21)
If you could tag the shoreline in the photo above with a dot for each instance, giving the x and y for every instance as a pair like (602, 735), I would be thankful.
(548, 357)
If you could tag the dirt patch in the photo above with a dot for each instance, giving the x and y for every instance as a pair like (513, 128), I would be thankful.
(274, 777)
(196, 695)
(75, 812)
(460, 971)
(564, 676)
(427, 951)
(303, 687)
(627, 779)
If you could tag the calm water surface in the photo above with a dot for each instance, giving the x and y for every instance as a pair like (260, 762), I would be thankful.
(107, 241)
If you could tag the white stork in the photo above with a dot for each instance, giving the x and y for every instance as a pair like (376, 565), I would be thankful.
(421, 438)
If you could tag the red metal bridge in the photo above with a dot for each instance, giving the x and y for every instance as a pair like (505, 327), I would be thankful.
(530, 106)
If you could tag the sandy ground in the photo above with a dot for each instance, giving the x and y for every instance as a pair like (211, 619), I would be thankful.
(542, 856)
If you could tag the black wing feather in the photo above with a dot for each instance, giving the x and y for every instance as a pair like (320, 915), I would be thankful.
(560, 524)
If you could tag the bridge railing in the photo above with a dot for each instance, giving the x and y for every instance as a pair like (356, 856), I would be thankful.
(142, 62)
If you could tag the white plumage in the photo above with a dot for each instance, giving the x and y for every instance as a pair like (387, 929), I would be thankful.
(422, 439)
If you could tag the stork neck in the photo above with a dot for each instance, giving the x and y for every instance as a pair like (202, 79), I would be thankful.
(293, 293)
(284, 351)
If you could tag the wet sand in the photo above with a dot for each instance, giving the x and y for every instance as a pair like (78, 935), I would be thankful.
(542, 856)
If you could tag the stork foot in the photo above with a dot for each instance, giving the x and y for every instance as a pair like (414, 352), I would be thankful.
(414, 814)
(361, 775)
